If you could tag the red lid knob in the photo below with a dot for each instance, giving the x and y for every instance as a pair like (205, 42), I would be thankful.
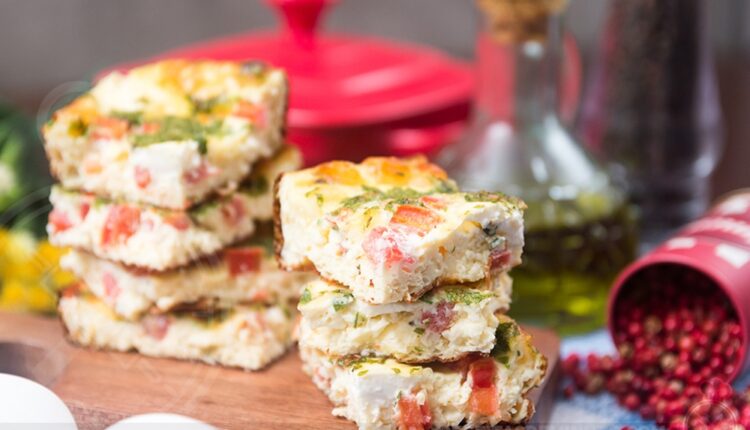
(301, 19)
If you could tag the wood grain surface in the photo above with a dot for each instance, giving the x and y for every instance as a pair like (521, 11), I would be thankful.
(103, 387)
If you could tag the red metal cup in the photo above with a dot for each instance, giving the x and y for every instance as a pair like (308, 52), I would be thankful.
(716, 245)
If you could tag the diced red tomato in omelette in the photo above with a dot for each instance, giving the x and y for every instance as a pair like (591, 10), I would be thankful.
(243, 260)
(418, 218)
(412, 415)
(122, 222)
(483, 399)
(59, 220)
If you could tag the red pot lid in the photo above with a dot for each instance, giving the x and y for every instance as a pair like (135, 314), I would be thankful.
(344, 80)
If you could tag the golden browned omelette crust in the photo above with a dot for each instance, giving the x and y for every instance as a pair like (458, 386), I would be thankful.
(278, 236)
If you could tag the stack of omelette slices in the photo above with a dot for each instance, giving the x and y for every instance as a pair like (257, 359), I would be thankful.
(406, 327)
(165, 175)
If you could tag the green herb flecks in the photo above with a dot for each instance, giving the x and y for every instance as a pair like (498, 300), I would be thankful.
(264, 241)
(466, 296)
(484, 196)
(77, 128)
(341, 301)
(444, 187)
(306, 297)
(395, 196)
(356, 363)
(179, 129)
(419, 330)
(203, 208)
(133, 118)
(369, 215)
(318, 197)
(255, 186)
(100, 201)
(206, 105)
(504, 335)
(496, 242)
(207, 318)
(202, 145)
(359, 320)
(511, 203)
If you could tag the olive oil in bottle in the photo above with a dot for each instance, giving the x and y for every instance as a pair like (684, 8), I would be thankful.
(568, 267)
(579, 231)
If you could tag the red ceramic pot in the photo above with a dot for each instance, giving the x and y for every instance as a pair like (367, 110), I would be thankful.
(354, 96)
(716, 245)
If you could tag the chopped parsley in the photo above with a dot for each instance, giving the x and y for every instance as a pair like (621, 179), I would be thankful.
(505, 332)
(357, 362)
(202, 145)
(203, 208)
(206, 105)
(511, 203)
(419, 330)
(287, 311)
(77, 128)
(369, 215)
(497, 242)
(255, 186)
(359, 320)
(207, 317)
(260, 240)
(133, 118)
(173, 128)
(100, 201)
(490, 229)
(466, 296)
(395, 196)
(306, 297)
(444, 187)
(318, 197)
(341, 301)
(484, 196)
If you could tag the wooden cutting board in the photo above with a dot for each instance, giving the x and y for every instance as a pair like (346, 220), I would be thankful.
(102, 387)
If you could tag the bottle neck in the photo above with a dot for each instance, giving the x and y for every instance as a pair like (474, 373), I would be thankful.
(518, 81)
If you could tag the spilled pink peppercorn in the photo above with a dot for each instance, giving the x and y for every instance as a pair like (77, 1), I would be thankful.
(678, 341)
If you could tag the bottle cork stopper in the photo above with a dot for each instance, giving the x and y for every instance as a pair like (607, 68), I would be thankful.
(516, 21)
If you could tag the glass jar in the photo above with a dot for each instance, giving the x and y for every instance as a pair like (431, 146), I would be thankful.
(652, 109)
(578, 228)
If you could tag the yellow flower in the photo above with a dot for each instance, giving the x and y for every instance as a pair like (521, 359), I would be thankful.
(47, 259)
(16, 249)
(13, 294)
(30, 275)
(40, 299)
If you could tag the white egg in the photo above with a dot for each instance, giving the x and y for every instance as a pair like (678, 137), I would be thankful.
(23, 401)
(156, 421)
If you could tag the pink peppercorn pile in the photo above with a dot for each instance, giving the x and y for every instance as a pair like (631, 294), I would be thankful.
(679, 341)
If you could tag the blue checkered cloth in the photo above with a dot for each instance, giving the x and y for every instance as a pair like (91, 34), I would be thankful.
(601, 411)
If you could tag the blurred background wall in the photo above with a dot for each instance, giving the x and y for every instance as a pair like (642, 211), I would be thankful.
(46, 43)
